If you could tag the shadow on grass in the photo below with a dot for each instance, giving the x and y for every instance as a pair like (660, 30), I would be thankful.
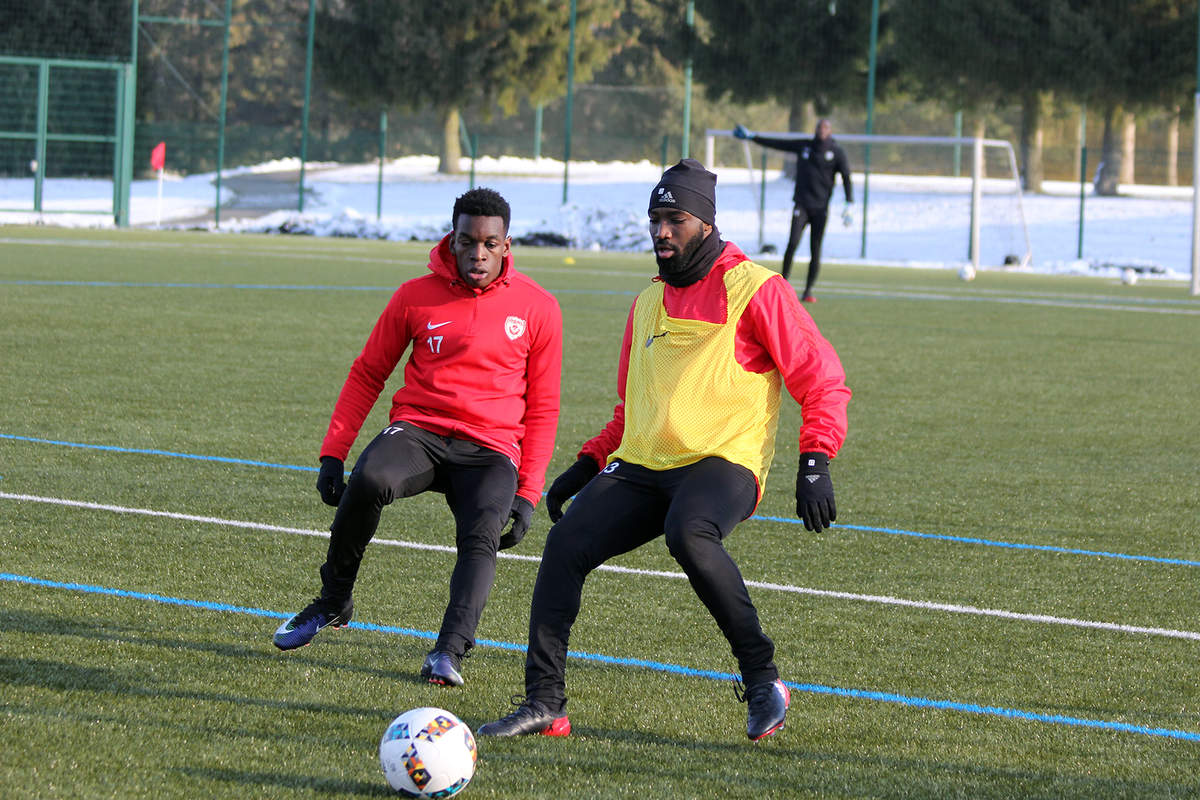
(253, 781)
(260, 648)
(59, 676)
(67, 677)
(216, 685)
(785, 766)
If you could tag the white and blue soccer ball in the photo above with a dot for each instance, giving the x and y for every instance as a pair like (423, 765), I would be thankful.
(428, 752)
(967, 273)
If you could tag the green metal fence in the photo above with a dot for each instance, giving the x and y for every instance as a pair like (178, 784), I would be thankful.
(66, 118)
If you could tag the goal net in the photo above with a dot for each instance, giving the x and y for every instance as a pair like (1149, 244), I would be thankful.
(960, 190)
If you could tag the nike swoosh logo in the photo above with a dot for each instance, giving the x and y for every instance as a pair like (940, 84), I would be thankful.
(431, 326)
(650, 340)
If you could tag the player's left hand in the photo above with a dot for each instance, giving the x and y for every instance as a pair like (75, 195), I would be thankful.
(741, 132)
(814, 492)
(521, 515)
(847, 216)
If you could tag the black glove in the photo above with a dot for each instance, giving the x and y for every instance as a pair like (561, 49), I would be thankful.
(521, 515)
(814, 492)
(331, 481)
(568, 484)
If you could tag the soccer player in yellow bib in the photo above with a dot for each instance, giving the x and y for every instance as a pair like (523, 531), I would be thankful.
(707, 348)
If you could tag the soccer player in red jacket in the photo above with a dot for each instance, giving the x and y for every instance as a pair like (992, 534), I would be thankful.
(475, 420)
(707, 347)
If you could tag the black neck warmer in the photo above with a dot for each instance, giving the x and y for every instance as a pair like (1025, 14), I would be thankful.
(697, 266)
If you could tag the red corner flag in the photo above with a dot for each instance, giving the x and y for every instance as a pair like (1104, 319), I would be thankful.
(158, 156)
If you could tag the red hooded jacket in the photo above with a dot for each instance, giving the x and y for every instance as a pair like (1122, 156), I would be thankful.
(485, 365)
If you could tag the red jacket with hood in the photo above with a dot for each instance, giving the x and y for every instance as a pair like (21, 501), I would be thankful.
(485, 366)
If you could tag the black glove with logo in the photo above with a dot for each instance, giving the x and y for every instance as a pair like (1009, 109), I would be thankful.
(331, 481)
(814, 492)
(568, 484)
(521, 515)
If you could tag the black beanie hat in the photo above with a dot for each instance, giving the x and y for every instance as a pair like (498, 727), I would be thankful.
(689, 187)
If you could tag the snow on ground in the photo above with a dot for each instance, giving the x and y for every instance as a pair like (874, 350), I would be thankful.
(911, 221)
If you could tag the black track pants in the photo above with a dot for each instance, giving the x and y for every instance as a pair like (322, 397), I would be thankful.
(816, 217)
(622, 508)
(403, 461)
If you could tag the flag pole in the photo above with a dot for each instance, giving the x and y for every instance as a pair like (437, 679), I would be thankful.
(158, 162)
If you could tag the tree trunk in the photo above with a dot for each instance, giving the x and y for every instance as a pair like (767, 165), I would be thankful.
(1128, 147)
(1173, 148)
(980, 132)
(1032, 137)
(1107, 174)
(802, 116)
(801, 119)
(451, 150)
(1080, 145)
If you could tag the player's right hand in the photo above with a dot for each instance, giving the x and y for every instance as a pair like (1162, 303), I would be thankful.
(331, 481)
(568, 484)
(740, 132)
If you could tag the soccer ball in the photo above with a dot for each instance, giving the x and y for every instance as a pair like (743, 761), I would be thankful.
(1129, 276)
(427, 752)
(967, 273)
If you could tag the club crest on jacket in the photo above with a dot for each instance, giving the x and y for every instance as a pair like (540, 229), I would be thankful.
(514, 327)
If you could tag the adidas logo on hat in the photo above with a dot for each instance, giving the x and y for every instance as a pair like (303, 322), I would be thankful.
(689, 187)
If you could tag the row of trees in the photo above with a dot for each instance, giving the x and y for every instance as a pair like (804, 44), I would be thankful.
(489, 59)
(1119, 57)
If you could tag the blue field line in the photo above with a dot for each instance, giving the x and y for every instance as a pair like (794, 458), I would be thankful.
(787, 520)
(265, 287)
(905, 293)
(169, 285)
(618, 292)
(1047, 548)
(658, 666)
(190, 456)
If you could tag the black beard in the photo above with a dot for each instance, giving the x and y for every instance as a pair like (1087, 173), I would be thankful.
(691, 262)
(678, 262)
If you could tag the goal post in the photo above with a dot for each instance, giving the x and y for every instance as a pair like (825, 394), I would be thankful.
(983, 192)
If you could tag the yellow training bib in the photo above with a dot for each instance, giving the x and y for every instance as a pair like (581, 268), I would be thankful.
(686, 397)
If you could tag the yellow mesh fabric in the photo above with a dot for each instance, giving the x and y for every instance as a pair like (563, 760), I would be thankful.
(687, 398)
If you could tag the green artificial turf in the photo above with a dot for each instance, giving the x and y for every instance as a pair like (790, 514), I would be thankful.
(1006, 607)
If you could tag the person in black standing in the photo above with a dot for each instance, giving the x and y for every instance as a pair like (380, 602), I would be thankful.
(818, 162)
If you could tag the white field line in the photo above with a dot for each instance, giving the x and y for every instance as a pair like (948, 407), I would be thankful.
(974, 290)
(952, 608)
(1148, 306)
(215, 249)
(1015, 299)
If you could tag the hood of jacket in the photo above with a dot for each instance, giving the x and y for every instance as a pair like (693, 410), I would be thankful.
(443, 263)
